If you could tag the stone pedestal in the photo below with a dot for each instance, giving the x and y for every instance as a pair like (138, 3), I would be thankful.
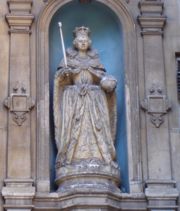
(88, 175)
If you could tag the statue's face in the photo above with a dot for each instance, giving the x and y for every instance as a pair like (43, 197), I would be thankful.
(82, 43)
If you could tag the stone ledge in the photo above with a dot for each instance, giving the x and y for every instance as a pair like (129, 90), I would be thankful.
(18, 192)
(20, 6)
(152, 22)
(86, 200)
(20, 20)
(151, 7)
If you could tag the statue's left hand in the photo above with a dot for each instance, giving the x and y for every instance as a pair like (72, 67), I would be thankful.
(108, 83)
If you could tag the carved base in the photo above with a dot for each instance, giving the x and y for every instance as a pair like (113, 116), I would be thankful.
(18, 194)
(89, 175)
(161, 195)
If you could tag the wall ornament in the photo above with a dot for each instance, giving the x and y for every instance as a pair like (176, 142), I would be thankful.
(19, 103)
(156, 104)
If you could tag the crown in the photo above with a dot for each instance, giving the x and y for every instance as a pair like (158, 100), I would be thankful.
(81, 31)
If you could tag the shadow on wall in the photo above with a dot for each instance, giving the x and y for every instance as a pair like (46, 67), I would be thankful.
(106, 35)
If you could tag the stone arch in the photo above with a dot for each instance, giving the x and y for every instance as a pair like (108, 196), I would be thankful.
(131, 92)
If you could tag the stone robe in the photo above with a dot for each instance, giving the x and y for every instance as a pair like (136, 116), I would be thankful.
(84, 125)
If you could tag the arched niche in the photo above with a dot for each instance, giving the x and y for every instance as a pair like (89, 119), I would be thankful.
(106, 35)
(49, 56)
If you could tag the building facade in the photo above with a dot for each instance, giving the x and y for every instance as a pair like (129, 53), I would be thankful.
(138, 41)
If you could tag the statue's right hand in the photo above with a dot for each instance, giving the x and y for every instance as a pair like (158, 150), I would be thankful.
(63, 72)
(66, 71)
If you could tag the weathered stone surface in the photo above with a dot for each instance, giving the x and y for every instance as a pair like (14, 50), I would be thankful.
(153, 153)
(85, 114)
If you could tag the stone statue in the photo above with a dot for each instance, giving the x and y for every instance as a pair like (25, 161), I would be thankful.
(84, 108)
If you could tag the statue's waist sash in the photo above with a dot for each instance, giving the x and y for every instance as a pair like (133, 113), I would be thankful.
(83, 89)
(83, 86)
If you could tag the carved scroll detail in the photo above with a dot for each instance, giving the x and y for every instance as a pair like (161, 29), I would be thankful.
(156, 105)
(19, 103)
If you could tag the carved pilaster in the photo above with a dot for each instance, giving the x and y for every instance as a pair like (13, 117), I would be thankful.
(160, 190)
(18, 191)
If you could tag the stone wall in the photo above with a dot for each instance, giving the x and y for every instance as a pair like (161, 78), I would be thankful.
(151, 29)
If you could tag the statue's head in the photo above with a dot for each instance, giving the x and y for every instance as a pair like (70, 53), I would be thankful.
(82, 39)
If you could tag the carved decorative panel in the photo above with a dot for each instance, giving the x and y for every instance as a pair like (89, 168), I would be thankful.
(19, 103)
(156, 105)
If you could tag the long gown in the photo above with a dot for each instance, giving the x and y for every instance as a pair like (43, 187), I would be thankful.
(83, 123)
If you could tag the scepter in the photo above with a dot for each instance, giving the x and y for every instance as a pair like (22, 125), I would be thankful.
(62, 43)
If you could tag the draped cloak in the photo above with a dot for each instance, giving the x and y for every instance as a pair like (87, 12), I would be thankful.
(84, 114)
